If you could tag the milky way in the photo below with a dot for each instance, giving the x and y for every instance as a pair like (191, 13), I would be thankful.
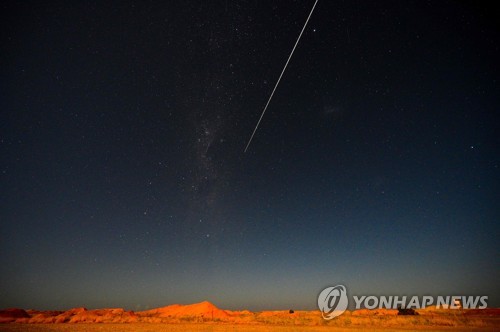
(123, 181)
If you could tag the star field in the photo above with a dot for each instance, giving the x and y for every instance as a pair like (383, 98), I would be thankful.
(123, 181)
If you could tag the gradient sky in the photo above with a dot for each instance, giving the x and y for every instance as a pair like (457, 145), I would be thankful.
(123, 180)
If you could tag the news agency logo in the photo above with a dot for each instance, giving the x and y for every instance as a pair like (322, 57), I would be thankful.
(332, 301)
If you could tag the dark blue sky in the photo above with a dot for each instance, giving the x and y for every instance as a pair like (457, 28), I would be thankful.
(124, 183)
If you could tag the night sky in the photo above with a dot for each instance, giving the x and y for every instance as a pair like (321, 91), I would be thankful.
(123, 181)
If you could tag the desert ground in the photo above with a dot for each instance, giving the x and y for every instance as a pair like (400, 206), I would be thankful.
(205, 316)
(139, 327)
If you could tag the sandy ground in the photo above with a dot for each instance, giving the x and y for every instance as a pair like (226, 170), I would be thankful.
(200, 327)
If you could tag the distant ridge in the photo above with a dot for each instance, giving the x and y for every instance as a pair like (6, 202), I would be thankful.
(203, 309)
(206, 312)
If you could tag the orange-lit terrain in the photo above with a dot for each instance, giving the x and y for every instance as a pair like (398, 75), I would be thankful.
(206, 316)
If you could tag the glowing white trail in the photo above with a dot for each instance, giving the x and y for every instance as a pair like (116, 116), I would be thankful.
(279, 79)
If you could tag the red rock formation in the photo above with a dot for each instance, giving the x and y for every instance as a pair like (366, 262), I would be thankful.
(204, 310)
(11, 315)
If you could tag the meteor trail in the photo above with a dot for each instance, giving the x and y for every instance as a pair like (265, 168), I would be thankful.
(279, 79)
